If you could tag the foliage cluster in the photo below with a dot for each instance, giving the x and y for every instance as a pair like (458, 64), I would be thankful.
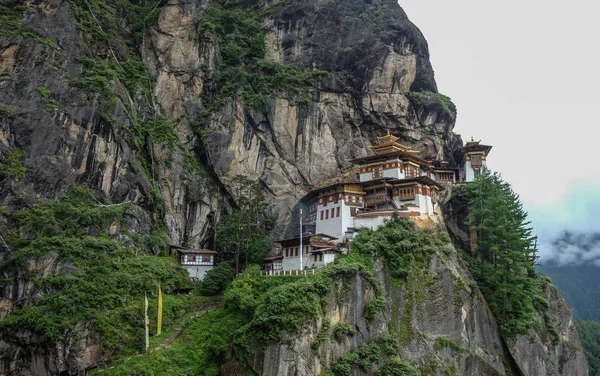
(384, 346)
(589, 334)
(10, 20)
(199, 350)
(502, 264)
(217, 280)
(6, 111)
(446, 343)
(341, 330)
(288, 307)
(242, 235)
(242, 46)
(11, 166)
(101, 24)
(400, 244)
(99, 278)
(425, 97)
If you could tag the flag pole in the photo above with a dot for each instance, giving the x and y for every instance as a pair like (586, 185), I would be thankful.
(146, 322)
(160, 309)
(301, 240)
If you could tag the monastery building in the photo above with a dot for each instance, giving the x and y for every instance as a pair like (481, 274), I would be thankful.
(394, 179)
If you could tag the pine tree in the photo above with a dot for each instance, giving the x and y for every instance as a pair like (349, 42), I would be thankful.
(242, 234)
(502, 261)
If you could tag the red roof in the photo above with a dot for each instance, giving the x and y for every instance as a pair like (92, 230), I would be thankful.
(197, 251)
(274, 258)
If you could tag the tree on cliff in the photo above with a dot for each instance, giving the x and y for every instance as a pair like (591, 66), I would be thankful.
(504, 248)
(243, 232)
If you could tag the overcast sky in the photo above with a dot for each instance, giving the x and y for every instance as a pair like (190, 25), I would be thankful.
(525, 77)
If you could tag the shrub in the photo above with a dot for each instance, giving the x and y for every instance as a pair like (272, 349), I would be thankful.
(343, 329)
(217, 279)
(11, 167)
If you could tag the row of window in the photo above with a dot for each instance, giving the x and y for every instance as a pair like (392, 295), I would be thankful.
(335, 212)
(203, 258)
(445, 176)
(293, 251)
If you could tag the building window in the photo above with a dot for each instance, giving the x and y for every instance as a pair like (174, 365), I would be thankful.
(332, 212)
(476, 160)
(326, 214)
(315, 257)
(320, 257)
(191, 258)
(321, 214)
(407, 193)
(296, 251)
(205, 258)
(337, 212)
(378, 172)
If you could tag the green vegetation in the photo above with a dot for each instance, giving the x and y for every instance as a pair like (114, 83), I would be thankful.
(10, 21)
(428, 97)
(100, 279)
(577, 285)
(288, 307)
(47, 95)
(341, 330)
(200, 350)
(259, 310)
(397, 367)
(400, 245)
(242, 235)
(384, 346)
(101, 24)
(502, 264)
(446, 343)
(323, 335)
(6, 111)
(244, 68)
(11, 166)
(10, 17)
(217, 280)
(589, 334)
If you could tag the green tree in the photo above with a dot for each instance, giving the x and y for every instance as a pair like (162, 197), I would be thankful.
(243, 232)
(503, 252)
(217, 279)
(589, 333)
(245, 291)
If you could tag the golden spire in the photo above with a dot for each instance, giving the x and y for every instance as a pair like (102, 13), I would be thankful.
(387, 139)
(388, 143)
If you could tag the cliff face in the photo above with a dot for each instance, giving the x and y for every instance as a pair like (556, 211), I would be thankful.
(444, 327)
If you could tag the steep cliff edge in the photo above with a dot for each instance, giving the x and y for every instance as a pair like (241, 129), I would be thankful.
(442, 324)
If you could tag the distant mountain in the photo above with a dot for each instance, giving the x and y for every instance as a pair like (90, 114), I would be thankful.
(579, 285)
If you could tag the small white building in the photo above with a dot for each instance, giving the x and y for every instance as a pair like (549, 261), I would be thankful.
(317, 251)
(197, 262)
(472, 158)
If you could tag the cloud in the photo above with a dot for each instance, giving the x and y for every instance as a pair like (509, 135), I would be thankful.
(572, 247)
(569, 227)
